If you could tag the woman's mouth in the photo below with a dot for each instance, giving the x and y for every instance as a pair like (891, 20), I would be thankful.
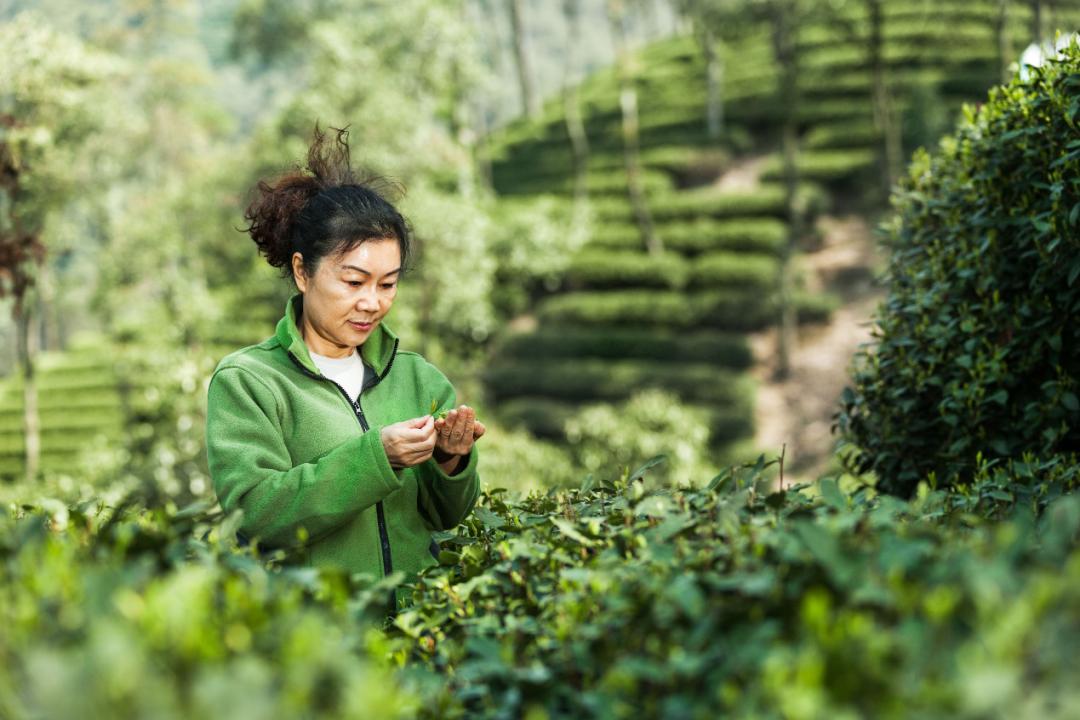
(362, 327)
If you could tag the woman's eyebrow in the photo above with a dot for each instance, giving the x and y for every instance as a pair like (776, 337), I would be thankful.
(366, 272)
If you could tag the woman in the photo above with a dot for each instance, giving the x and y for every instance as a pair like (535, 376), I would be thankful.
(323, 434)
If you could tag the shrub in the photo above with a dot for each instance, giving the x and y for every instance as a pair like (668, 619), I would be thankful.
(765, 201)
(719, 349)
(690, 237)
(825, 166)
(547, 418)
(977, 348)
(656, 308)
(727, 269)
(596, 268)
(585, 379)
(605, 438)
(751, 235)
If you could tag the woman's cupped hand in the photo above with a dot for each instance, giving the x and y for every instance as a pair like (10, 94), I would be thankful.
(411, 442)
(456, 433)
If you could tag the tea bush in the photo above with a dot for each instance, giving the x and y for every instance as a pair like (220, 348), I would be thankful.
(721, 349)
(977, 348)
(623, 598)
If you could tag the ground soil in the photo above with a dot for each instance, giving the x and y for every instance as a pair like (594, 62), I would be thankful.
(796, 414)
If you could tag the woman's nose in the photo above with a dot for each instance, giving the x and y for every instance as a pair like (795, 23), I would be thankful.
(367, 299)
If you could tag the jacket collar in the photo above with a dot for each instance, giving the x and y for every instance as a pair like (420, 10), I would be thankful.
(377, 351)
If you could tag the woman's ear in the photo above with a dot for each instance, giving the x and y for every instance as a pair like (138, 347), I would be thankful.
(299, 277)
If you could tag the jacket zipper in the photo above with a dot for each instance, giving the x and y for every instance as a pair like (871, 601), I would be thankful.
(358, 411)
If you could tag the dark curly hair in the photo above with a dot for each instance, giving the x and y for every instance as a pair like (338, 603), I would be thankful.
(323, 208)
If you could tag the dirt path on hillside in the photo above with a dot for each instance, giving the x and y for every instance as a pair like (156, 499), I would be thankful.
(799, 411)
(743, 175)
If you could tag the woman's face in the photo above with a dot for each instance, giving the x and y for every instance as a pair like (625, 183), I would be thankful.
(347, 295)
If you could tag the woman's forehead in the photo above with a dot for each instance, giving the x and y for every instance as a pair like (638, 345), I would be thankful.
(377, 257)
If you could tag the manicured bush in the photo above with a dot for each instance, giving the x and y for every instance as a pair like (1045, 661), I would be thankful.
(749, 235)
(547, 418)
(719, 349)
(542, 416)
(596, 268)
(589, 379)
(825, 166)
(765, 201)
(690, 237)
(735, 270)
(977, 347)
(740, 311)
(656, 308)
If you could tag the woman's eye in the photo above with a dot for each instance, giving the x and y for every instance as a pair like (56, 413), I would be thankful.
(354, 283)
(388, 285)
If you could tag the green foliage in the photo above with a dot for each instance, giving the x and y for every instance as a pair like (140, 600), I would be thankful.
(825, 166)
(735, 270)
(585, 378)
(597, 269)
(122, 612)
(745, 602)
(732, 309)
(752, 235)
(744, 599)
(977, 347)
(547, 418)
(719, 349)
(652, 422)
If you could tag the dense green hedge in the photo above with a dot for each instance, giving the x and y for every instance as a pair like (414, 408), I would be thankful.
(621, 599)
(735, 270)
(546, 418)
(753, 235)
(978, 349)
(731, 309)
(583, 379)
(825, 166)
(766, 201)
(719, 349)
(599, 268)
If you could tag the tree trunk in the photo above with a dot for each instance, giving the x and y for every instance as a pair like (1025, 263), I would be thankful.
(1037, 21)
(1004, 43)
(714, 77)
(27, 354)
(786, 57)
(483, 152)
(885, 119)
(631, 141)
(575, 126)
(529, 102)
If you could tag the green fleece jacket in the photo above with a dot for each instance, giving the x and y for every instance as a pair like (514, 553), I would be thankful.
(307, 466)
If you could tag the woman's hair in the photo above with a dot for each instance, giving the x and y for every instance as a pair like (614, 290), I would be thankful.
(322, 209)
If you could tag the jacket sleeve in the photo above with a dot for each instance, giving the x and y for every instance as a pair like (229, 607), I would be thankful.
(251, 467)
(445, 500)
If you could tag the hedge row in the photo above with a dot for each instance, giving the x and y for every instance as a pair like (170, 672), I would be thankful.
(589, 379)
(599, 269)
(599, 184)
(731, 310)
(735, 270)
(824, 166)
(718, 349)
(62, 419)
(766, 201)
(596, 268)
(691, 237)
(546, 418)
